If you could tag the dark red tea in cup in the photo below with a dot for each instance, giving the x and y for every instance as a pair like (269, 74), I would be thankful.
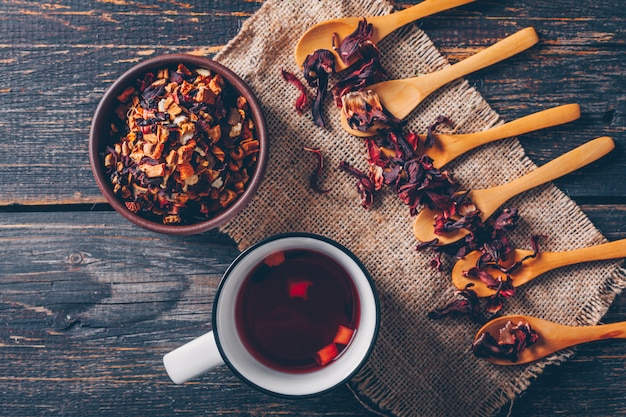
(294, 315)
(297, 310)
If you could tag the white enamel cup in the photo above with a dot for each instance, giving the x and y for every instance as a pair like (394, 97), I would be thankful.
(223, 345)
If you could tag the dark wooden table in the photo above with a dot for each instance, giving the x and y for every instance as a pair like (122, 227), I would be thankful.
(89, 303)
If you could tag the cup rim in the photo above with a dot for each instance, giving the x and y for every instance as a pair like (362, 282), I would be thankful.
(357, 263)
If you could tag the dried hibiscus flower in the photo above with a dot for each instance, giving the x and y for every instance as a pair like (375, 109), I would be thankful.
(363, 108)
(303, 98)
(318, 67)
(491, 238)
(365, 186)
(494, 259)
(393, 161)
(351, 47)
(365, 72)
(430, 132)
(512, 340)
(467, 305)
(423, 184)
(472, 306)
(314, 178)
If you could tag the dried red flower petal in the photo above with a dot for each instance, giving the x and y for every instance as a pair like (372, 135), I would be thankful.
(494, 305)
(496, 246)
(425, 245)
(375, 154)
(505, 288)
(468, 305)
(493, 259)
(511, 341)
(367, 73)
(364, 184)
(534, 245)
(393, 160)
(350, 47)
(430, 132)
(303, 99)
(436, 263)
(318, 67)
(363, 108)
(423, 184)
(483, 275)
(506, 220)
(314, 178)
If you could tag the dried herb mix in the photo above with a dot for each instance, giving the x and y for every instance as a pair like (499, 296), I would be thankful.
(184, 145)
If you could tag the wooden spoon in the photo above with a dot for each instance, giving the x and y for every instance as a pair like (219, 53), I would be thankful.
(449, 146)
(533, 267)
(320, 36)
(400, 97)
(552, 336)
(488, 200)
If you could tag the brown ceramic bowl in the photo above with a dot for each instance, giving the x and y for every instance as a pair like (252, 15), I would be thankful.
(101, 137)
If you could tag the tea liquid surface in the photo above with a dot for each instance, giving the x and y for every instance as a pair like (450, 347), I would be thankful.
(289, 311)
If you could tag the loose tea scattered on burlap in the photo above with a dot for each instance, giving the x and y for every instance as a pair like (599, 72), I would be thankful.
(419, 366)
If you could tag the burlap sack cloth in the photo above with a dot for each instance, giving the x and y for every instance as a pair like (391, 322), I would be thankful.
(419, 366)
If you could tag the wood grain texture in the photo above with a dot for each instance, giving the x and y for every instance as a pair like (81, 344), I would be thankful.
(58, 59)
(89, 303)
(57, 62)
(579, 59)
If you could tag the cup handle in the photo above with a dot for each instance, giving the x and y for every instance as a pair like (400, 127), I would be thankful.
(193, 359)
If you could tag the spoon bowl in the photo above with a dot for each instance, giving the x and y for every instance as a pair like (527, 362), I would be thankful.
(320, 36)
(400, 97)
(488, 200)
(553, 337)
(534, 267)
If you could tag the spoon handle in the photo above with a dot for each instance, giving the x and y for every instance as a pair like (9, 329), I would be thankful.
(602, 252)
(575, 335)
(564, 164)
(608, 331)
(497, 52)
(384, 25)
(456, 145)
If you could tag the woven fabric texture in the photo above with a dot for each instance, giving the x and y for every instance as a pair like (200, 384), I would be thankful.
(419, 366)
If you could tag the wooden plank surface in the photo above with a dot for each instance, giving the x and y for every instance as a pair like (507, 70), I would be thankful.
(579, 59)
(88, 307)
(58, 59)
(89, 303)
